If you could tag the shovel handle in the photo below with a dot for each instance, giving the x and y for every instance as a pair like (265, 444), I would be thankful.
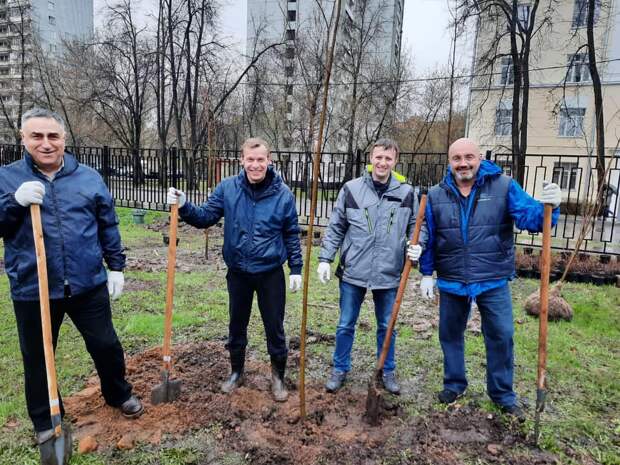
(46, 321)
(172, 257)
(402, 286)
(545, 265)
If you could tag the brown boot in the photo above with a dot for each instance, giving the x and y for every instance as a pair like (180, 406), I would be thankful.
(278, 389)
(237, 362)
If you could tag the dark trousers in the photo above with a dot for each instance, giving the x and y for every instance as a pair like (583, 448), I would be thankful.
(271, 294)
(495, 308)
(90, 312)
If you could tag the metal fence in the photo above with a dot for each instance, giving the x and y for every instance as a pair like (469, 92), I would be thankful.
(140, 180)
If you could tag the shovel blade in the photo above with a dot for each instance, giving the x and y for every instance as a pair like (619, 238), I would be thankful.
(373, 402)
(57, 450)
(167, 391)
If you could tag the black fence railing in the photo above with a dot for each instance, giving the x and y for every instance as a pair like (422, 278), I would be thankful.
(140, 180)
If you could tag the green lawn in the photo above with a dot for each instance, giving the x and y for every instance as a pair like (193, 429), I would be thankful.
(582, 419)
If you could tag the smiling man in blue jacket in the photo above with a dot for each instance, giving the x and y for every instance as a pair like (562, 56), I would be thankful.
(261, 232)
(470, 217)
(80, 230)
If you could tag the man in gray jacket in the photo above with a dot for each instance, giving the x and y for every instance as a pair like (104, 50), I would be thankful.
(370, 225)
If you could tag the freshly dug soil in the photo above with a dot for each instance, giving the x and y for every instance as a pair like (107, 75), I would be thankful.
(250, 422)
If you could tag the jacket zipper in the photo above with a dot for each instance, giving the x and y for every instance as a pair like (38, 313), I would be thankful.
(67, 287)
(368, 220)
(391, 220)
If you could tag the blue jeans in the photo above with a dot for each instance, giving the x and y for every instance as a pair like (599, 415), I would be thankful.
(495, 308)
(351, 298)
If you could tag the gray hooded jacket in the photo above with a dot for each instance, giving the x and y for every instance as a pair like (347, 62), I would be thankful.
(371, 232)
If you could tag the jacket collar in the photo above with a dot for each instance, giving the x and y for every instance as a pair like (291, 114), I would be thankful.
(274, 185)
(396, 179)
(70, 164)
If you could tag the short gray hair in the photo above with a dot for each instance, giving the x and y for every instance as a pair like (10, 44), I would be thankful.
(38, 112)
(387, 144)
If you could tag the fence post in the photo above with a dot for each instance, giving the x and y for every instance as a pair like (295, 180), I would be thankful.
(105, 164)
(173, 166)
(488, 155)
(358, 163)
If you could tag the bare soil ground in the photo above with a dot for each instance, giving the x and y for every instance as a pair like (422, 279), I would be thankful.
(265, 432)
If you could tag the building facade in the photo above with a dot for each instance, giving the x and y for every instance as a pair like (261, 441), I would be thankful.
(24, 23)
(561, 103)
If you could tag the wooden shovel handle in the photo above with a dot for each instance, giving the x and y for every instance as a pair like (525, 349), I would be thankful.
(172, 257)
(402, 286)
(46, 321)
(545, 266)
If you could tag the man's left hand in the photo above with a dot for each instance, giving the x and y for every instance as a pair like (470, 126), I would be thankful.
(116, 281)
(294, 282)
(551, 194)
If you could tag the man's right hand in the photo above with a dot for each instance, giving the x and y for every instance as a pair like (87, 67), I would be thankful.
(324, 271)
(30, 192)
(426, 287)
(176, 196)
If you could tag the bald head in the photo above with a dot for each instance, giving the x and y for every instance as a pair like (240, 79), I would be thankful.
(464, 158)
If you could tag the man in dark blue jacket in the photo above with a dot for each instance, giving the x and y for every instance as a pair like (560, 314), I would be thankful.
(470, 217)
(260, 234)
(80, 230)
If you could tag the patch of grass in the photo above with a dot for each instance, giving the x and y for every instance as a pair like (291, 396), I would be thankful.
(583, 362)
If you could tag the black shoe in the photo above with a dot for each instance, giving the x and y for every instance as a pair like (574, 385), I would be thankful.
(233, 382)
(336, 380)
(513, 411)
(132, 407)
(449, 397)
(389, 383)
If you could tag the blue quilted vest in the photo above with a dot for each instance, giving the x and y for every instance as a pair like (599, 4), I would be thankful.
(487, 251)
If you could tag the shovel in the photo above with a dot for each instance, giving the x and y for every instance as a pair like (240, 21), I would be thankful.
(168, 390)
(545, 265)
(373, 400)
(57, 449)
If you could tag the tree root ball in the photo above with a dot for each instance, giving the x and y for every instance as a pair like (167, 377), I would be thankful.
(559, 309)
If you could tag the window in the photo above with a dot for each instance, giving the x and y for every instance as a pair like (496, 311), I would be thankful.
(503, 120)
(290, 52)
(52, 48)
(571, 122)
(4, 57)
(580, 13)
(578, 70)
(288, 71)
(565, 175)
(2, 15)
(4, 29)
(289, 89)
(4, 71)
(523, 15)
(5, 43)
(290, 34)
(51, 5)
(289, 107)
(291, 15)
(52, 20)
(507, 76)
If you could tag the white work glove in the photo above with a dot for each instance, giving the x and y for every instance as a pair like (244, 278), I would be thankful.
(426, 287)
(294, 282)
(176, 196)
(116, 281)
(30, 192)
(551, 194)
(324, 271)
(414, 251)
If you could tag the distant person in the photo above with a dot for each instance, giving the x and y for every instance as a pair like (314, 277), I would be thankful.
(80, 229)
(470, 217)
(261, 232)
(370, 225)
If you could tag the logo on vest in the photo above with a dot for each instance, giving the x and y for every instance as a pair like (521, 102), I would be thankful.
(484, 198)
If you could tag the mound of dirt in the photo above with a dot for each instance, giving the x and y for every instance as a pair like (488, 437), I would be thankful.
(251, 421)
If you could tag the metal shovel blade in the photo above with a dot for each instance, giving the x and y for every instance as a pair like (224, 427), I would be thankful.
(167, 391)
(57, 450)
(374, 401)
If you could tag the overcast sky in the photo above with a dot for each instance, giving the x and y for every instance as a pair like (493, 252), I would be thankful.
(425, 31)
